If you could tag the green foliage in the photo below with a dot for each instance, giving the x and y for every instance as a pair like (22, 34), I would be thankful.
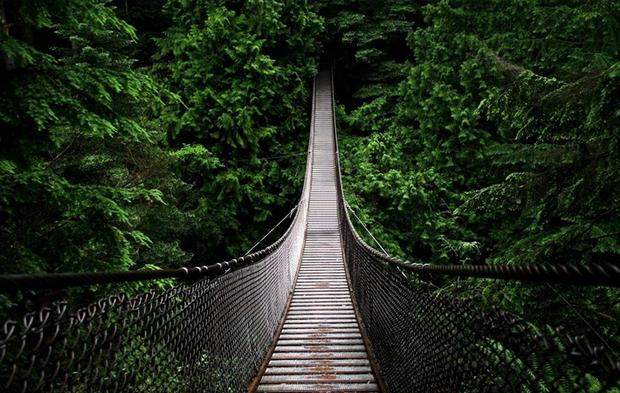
(139, 135)
(79, 163)
(153, 134)
(240, 70)
(497, 135)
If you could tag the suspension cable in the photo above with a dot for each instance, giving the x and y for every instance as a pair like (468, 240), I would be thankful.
(26, 282)
(595, 274)
(366, 229)
(289, 215)
(605, 274)
(583, 319)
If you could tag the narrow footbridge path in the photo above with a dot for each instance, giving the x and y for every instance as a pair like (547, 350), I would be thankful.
(319, 310)
(320, 347)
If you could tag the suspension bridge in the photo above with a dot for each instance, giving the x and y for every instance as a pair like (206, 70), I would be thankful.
(319, 310)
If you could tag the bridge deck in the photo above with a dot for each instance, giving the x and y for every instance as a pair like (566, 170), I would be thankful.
(320, 348)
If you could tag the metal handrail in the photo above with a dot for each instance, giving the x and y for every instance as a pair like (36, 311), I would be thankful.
(592, 274)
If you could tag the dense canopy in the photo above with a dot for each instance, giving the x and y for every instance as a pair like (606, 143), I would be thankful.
(152, 134)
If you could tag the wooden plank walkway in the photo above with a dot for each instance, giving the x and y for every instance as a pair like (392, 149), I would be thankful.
(320, 348)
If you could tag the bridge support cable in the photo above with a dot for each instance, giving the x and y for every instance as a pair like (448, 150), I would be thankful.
(347, 206)
(208, 333)
(429, 342)
(289, 215)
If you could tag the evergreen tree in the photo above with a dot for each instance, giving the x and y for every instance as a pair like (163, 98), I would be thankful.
(79, 163)
(498, 145)
(241, 72)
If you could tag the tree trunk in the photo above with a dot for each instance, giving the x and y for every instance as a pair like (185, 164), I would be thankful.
(8, 61)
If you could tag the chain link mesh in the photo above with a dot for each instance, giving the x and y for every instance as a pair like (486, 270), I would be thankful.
(209, 335)
(205, 336)
(426, 342)
(422, 341)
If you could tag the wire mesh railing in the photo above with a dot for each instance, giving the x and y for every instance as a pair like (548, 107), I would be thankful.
(423, 341)
(209, 333)
(426, 342)
(205, 336)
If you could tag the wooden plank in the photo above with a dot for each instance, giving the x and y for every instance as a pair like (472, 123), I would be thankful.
(318, 324)
(320, 340)
(318, 313)
(319, 355)
(318, 318)
(315, 312)
(322, 363)
(321, 327)
(352, 332)
(317, 295)
(326, 387)
(321, 304)
(324, 377)
(318, 348)
(326, 300)
(296, 308)
(318, 369)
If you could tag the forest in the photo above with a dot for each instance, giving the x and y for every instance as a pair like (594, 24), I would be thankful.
(150, 134)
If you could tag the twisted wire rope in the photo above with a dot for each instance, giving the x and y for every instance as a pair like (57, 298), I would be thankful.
(426, 341)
